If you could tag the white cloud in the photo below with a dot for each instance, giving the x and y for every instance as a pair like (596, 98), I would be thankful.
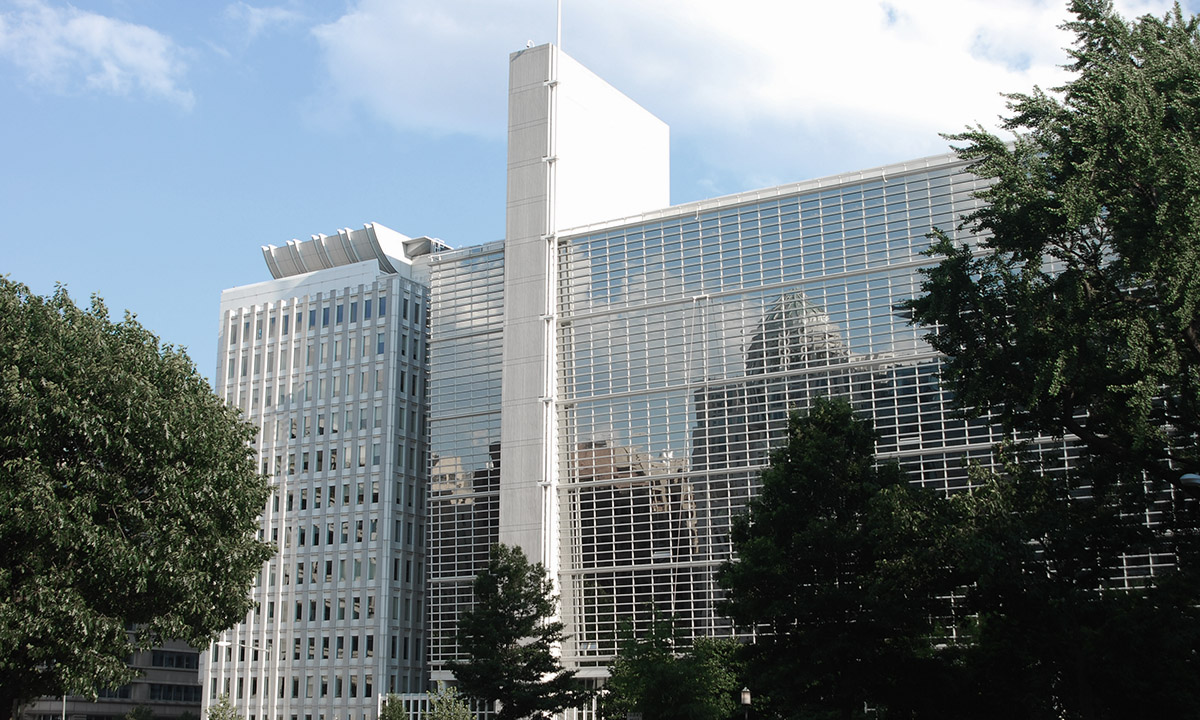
(256, 20)
(429, 65)
(768, 84)
(62, 46)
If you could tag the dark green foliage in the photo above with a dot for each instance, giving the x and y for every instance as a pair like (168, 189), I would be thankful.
(140, 712)
(1052, 636)
(508, 637)
(1078, 314)
(841, 568)
(657, 676)
(1085, 312)
(129, 495)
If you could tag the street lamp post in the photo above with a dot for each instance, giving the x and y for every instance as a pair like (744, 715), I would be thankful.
(746, 702)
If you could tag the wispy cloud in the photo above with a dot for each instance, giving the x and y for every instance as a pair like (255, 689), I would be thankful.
(257, 20)
(64, 48)
(426, 65)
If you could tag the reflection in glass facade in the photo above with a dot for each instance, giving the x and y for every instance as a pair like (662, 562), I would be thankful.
(465, 361)
(686, 336)
(683, 338)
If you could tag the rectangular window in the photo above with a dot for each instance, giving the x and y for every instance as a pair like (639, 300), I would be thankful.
(354, 312)
(382, 306)
(285, 323)
(367, 309)
(325, 316)
(378, 345)
(338, 315)
(312, 318)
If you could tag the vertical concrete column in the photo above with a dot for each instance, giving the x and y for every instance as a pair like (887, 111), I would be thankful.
(527, 390)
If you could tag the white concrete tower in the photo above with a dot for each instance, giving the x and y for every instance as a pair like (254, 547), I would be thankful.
(578, 152)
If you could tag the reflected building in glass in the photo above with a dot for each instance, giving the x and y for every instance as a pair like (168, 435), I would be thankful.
(608, 381)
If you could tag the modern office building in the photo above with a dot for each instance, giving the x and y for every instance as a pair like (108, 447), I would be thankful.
(167, 685)
(604, 388)
(608, 381)
(329, 359)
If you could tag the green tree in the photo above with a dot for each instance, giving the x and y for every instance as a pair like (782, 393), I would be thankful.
(1079, 308)
(661, 678)
(140, 712)
(1050, 636)
(509, 638)
(222, 710)
(447, 704)
(1077, 314)
(841, 569)
(129, 493)
(393, 708)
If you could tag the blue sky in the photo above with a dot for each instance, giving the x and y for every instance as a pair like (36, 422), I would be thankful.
(149, 148)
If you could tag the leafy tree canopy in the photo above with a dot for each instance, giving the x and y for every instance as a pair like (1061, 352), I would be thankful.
(393, 708)
(661, 678)
(1077, 313)
(1079, 309)
(447, 704)
(509, 638)
(222, 710)
(841, 568)
(129, 495)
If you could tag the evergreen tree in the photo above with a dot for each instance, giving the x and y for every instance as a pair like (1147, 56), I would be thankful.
(510, 639)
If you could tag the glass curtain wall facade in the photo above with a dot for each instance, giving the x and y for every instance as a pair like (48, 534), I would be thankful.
(331, 366)
(466, 339)
(685, 337)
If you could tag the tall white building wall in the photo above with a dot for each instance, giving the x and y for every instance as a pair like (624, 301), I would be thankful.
(331, 366)
(578, 151)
